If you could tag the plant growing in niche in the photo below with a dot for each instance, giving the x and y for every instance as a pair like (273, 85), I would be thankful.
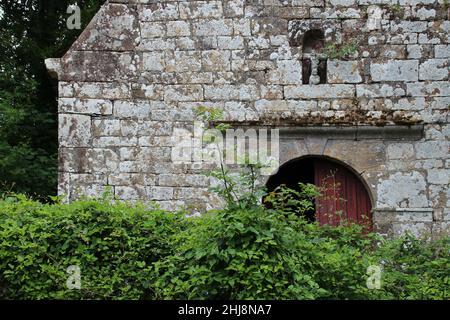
(343, 51)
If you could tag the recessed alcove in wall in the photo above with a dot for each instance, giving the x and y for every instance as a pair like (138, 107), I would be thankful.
(313, 41)
(311, 35)
(313, 63)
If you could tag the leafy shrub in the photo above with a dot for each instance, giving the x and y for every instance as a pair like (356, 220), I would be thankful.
(415, 268)
(288, 200)
(129, 251)
(339, 259)
(114, 244)
(261, 254)
(240, 254)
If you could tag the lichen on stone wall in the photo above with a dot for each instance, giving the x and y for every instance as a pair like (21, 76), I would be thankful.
(142, 66)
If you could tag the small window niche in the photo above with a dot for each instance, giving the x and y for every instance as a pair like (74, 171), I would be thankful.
(314, 64)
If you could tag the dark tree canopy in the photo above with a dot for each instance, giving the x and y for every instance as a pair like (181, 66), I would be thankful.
(30, 32)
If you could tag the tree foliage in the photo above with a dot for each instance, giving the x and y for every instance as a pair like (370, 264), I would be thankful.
(30, 32)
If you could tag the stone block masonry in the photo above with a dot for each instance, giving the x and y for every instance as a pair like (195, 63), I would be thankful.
(139, 70)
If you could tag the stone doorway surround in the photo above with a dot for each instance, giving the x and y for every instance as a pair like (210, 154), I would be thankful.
(363, 149)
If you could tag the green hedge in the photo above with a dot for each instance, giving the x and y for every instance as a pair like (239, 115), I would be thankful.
(114, 244)
(129, 251)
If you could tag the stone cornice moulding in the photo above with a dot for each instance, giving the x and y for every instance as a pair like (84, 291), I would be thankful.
(363, 132)
(54, 67)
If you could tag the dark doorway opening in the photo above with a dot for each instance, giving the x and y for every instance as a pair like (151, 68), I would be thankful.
(290, 175)
(343, 194)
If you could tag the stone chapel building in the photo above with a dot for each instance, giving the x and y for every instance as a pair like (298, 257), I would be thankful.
(360, 87)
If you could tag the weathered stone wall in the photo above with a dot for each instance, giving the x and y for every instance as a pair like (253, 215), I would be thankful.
(142, 66)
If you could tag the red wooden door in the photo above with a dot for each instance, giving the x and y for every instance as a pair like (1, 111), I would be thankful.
(343, 195)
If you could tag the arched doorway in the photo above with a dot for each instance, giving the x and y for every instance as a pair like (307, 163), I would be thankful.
(343, 193)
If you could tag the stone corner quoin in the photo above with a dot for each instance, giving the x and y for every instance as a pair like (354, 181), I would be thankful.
(142, 67)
